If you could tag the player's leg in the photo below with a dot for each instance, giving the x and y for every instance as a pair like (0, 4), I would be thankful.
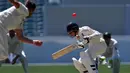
(88, 61)
(116, 65)
(11, 57)
(109, 62)
(87, 57)
(15, 59)
(97, 62)
(3, 47)
(4, 61)
(9, 60)
(24, 62)
(1, 62)
(3, 43)
(79, 66)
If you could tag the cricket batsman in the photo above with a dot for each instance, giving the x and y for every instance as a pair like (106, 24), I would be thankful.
(111, 53)
(96, 46)
(13, 18)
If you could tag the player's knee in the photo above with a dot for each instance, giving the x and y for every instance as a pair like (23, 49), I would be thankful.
(75, 61)
(22, 58)
(78, 65)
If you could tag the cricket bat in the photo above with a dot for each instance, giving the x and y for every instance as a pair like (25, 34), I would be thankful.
(64, 51)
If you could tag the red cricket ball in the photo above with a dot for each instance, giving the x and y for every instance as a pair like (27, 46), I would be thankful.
(74, 14)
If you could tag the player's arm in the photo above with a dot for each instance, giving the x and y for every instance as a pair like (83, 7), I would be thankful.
(96, 33)
(22, 38)
(19, 34)
(15, 3)
(80, 44)
(93, 34)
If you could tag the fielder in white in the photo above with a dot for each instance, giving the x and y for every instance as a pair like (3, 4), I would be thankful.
(13, 18)
(96, 46)
(16, 49)
(111, 53)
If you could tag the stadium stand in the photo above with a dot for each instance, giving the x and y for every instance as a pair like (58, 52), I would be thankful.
(34, 25)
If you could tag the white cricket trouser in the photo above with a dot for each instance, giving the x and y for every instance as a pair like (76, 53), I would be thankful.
(16, 50)
(87, 58)
(96, 49)
(3, 43)
(22, 59)
(13, 55)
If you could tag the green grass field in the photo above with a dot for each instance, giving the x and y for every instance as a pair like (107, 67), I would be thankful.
(56, 69)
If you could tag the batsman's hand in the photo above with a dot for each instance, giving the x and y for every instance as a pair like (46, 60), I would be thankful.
(80, 45)
(86, 39)
(37, 42)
